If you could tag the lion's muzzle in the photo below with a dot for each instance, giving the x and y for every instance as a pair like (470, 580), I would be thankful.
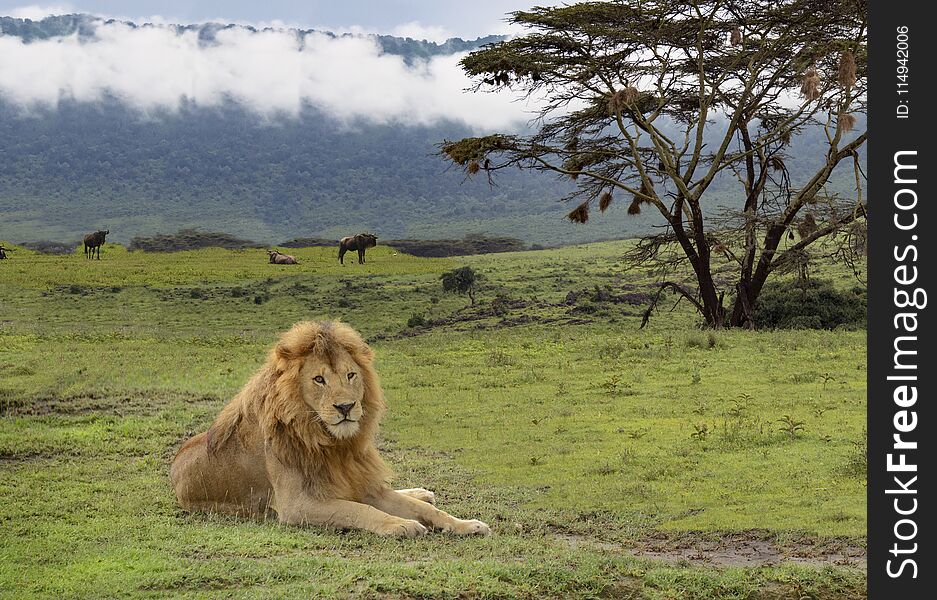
(344, 409)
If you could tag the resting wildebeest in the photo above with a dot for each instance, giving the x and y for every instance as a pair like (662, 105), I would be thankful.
(278, 258)
(360, 242)
(95, 241)
(3, 252)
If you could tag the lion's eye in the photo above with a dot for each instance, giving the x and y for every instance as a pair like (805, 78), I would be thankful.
(319, 379)
(351, 376)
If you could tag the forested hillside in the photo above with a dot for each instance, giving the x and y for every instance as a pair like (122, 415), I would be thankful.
(79, 166)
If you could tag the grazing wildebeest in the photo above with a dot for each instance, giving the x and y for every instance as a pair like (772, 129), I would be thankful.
(278, 258)
(94, 241)
(360, 242)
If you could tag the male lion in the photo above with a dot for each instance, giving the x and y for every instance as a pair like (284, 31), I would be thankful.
(298, 439)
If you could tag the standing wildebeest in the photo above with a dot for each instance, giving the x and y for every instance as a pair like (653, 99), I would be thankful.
(360, 242)
(94, 241)
(278, 258)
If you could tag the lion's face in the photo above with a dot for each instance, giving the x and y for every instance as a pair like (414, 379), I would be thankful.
(335, 391)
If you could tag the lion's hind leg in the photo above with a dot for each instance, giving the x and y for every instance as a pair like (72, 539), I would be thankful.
(420, 494)
(217, 483)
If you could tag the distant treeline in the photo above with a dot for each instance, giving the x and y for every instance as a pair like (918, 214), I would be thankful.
(470, 244)
(194, 239)
(190, 239)
(48, 247)
(307, 242)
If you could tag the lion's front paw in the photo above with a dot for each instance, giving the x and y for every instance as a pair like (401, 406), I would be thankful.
(403, 528)
(422, 495)
(469, 527)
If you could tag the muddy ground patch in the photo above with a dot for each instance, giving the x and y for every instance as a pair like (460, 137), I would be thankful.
(733, 549)
(143, 402)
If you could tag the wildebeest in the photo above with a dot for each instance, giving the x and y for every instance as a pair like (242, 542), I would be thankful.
(278, 258)
(94, 241)
(3, 252)
(360, 242)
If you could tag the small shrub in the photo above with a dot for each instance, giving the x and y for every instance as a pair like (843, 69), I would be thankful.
(605, 469)
(416, 320)
(700, 432)
(612, 350)
(702, 342)
(790, 426)
(857, 464)
(611, 384)
(711, 340)
(810, 305)
(500, 358)
(696, 376)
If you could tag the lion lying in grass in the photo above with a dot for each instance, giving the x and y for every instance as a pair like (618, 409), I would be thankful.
(299, 440)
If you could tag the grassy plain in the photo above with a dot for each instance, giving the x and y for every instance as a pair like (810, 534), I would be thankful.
(610, 461)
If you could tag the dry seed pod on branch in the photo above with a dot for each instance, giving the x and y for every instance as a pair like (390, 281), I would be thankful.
(736, 37)
(847, 70)
(605, 200)
(580, 214)
(640, 198)
(810, 88)
(847, 122)
(622, 99)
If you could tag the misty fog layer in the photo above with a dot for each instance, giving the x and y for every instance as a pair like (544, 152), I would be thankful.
(270, 72)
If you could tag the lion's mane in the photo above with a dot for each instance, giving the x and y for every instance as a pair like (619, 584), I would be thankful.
(271, 407)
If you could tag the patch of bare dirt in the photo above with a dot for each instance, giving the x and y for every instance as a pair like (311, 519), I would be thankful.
(480, 324)
(12, 459)
(102, 403)
(734, 549)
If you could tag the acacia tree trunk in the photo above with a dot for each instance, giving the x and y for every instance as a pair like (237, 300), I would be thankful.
(751, 283)
(697, 252)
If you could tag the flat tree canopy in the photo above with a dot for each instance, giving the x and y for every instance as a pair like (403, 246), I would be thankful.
(460, 281)
(653, 101)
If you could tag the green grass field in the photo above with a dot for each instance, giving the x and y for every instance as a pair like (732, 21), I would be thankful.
(611, 462)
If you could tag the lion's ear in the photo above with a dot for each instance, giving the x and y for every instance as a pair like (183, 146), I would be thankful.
(299, 340)
(352, 341)
(363, 354)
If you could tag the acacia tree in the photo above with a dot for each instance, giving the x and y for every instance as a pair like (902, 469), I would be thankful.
(657, 100)
(460, 281)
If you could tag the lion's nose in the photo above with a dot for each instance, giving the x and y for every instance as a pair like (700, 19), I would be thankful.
(344, 408)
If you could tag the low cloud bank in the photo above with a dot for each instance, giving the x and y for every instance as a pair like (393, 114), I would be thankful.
(271, 72)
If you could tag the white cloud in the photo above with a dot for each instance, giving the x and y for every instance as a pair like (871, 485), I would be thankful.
(37, 13)
(418, 31)
(270, 72)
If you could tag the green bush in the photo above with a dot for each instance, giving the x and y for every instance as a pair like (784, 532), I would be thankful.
(416, 320)
(810, 305)
(462, 281)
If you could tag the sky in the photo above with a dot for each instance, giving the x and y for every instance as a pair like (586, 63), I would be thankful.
(433, 19)
(270, 72)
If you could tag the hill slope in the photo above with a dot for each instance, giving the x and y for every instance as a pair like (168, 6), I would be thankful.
(81, 166)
